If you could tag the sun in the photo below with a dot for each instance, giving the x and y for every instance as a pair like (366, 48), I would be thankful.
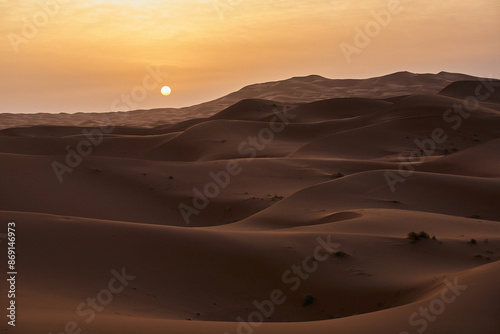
(165, 90)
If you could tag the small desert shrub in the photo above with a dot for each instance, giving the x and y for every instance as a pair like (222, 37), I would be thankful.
(414, 236)
(473, 241)
(340, 254)
(423, 235)
(308, 300)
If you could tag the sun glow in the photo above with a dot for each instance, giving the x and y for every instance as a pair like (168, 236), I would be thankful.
(165, 90)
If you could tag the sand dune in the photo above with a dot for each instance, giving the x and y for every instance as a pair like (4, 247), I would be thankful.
(463, 89)
(328, 176)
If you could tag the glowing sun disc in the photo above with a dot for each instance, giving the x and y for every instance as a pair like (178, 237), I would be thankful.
(165, 90)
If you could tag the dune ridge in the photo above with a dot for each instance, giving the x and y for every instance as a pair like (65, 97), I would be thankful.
(294, 90)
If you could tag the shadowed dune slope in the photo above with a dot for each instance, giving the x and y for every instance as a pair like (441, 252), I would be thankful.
(487, 90)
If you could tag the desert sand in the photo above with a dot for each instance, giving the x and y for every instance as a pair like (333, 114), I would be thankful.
(309, 233)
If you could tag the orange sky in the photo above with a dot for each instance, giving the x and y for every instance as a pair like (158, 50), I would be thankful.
(84, 55)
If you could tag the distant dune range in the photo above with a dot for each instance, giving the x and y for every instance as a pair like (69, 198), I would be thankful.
(322, 175)
(294, 90)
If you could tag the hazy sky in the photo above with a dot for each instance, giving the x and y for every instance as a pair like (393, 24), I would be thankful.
(83, 55)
